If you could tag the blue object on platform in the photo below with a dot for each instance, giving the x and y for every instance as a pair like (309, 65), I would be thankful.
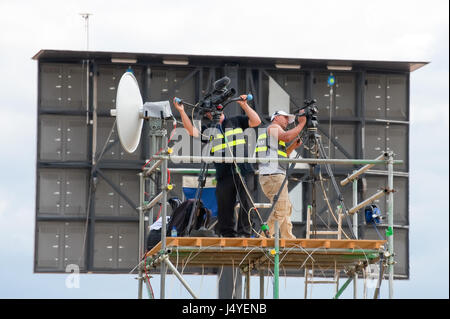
(208, 197)
(331, 80)
(373, 214)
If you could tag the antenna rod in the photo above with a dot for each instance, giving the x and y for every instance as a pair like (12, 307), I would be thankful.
(85, 16)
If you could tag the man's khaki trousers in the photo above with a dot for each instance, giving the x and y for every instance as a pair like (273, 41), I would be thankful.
(270, 185)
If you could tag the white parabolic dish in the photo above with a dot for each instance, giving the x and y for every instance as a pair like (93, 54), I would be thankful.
(128, 107)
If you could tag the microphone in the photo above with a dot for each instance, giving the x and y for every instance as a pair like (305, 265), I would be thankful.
(220, 84)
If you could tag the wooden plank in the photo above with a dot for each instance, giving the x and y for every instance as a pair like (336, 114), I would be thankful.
(327, 232)
(209, 242)
(268, 242)
(155, 249)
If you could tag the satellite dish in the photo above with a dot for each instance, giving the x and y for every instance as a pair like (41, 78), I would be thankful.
(129, 112)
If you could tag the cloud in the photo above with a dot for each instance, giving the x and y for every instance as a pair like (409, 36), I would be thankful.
(17, 223)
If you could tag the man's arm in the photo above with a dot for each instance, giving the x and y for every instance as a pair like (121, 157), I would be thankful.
(293, 146)
(253, 117)
(193, 131)
(287, 136)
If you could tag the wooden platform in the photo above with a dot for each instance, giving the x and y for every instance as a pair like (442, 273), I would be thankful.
(253, 253)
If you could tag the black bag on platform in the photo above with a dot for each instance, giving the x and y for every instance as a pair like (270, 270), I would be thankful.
(180, 220)
(154, 235)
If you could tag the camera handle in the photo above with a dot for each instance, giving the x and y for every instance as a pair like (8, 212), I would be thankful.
(180, 101)
(249, 98)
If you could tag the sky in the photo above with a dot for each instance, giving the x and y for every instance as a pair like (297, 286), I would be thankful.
(377, 30)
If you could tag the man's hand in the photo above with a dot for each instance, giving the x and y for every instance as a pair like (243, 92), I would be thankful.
(179, 107)
(301, 120)
(293, 146)
(185, 119)
(297, 143)
(253, 117)
(243, 102)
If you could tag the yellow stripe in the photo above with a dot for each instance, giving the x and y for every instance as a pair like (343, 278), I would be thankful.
(262, 136)
(232, 132)
(282, 143)
(282, 153)
(218, 147)
(261, 149)
(236, 142)
(232, 143)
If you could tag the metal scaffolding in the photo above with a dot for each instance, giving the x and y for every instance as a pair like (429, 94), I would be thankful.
(259, 253)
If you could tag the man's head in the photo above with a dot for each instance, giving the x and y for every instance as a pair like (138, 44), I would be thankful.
(282, 118)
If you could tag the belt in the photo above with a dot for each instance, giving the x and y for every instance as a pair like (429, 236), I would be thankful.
(272, 174)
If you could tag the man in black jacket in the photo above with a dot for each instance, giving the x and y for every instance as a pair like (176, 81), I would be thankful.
(229, 137)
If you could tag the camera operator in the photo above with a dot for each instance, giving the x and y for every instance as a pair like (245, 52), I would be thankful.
(272, 143)
(229, 184)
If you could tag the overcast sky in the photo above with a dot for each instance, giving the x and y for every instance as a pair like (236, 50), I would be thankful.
(375, 30)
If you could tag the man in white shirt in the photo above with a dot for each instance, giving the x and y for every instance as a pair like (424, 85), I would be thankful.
(272, 143)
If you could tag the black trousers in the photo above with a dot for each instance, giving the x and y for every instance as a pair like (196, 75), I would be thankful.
(230, 191)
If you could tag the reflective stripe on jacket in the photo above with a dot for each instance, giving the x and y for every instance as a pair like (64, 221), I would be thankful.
(263, 146)
(234, 137)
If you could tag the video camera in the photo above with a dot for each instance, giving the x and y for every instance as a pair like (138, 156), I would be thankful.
(309, 111)
(215, 101)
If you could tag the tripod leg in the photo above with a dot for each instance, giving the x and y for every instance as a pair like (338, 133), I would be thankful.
(335, 185)
(198, 195)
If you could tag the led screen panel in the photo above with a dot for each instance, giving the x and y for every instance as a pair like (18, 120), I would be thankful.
(65, 148)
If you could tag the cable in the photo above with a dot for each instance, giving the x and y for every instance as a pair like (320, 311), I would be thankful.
(218, 279)
(329, 206)
(250, 223)
(242, 205)
(376, 229)
(234, 279)
(106, 142)
(159, 211)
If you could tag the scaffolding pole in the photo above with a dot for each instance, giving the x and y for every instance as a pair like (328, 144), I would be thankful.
(141, 233)
(363, 169)
(276, 267)
(390, 231)
(216, 159)
(355, 231)
(340, 291)
(166, 260)
(164, 220)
